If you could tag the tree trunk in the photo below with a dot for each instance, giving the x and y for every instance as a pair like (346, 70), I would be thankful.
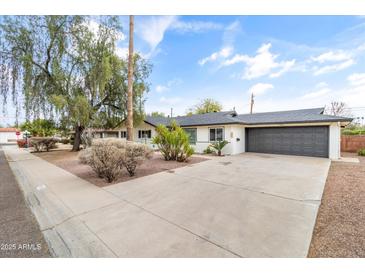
(130, 82)
(77, 140)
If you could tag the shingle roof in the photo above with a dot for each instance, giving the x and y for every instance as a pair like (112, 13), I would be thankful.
(231, 117)
(291, 116)
(212, 118)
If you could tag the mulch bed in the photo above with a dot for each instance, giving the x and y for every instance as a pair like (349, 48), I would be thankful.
(68, 160)
(340, 226)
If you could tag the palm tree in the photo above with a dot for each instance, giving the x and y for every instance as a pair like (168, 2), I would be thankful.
(130, 82)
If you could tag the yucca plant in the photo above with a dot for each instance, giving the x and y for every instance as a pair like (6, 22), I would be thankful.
(218, 146)
(173, 142)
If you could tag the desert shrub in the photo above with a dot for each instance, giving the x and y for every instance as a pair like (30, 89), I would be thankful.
(173, 142)
(87, 137)
(107, 157)
(85, 156)
(43, 143)
(65, 141)
(135, 154)
(361, 152)
(218, 146)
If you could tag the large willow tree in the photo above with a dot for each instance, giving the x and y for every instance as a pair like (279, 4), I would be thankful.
(67, 67)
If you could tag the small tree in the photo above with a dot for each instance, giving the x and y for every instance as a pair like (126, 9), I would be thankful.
(338, 109)
(158, 114)
(205, 106)
(40, 127)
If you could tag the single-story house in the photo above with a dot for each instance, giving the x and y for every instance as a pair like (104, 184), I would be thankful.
(8, 135)
(306, 132)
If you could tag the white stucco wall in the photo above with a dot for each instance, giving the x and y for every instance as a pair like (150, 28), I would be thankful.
(235, 135)
(6, 136)
(231, 133)
(334, 141)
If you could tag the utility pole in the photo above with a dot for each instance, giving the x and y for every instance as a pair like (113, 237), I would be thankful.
(251, 103)
(130, 82)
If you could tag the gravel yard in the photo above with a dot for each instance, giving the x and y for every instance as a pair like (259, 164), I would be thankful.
(340, 226)
(69, 161)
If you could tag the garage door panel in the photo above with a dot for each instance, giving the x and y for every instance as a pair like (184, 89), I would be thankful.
(306, 141)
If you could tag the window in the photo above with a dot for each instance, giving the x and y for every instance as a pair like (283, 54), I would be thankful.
(110, 134)
(192, 135)
(123, 134)
(216, 134)
(144, 134)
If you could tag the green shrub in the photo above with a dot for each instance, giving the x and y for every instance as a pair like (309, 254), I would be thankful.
(356, 131)
(40, 127)
(173, 142)
(361, 152)
(218, 146)
(208, 150)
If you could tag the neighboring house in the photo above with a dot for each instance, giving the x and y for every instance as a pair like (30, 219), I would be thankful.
(306, 132)
(8, 135)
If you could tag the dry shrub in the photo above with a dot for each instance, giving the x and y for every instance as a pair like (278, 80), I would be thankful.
(108, 156)
(135, 154)
(43, 143)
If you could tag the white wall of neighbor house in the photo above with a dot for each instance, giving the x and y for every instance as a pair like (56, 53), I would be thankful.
(335, 141)
(7, 137)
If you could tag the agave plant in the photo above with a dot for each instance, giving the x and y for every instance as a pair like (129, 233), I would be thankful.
(218, 146)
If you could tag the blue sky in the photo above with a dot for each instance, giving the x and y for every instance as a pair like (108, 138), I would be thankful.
(288, 62)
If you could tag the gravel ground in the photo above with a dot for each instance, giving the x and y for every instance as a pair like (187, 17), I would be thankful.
(20, 236)
(68, 160)
(340, 226)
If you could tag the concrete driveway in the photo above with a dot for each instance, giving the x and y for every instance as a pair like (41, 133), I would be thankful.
(250, 205)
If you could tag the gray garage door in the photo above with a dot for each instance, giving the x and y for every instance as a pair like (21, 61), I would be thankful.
(305, 141)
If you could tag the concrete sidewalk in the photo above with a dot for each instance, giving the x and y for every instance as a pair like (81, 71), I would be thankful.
(20, 236)
(237, 206)
(61, 202)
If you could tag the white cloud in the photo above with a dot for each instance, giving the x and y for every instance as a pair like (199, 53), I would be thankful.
(94, 27)
(168, 85)
(161, 88)
(332, 56)
(286, 66)
(230, 33)
(332, 61)
(122, 52)
(152, 29)
(357, 79)
(223, 53)
(334, 67)
(263, 63)
(316, 94)
(194, 26)
(171, 100)
(260, 88)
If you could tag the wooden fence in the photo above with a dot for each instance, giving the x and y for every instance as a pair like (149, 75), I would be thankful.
(352, 143)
